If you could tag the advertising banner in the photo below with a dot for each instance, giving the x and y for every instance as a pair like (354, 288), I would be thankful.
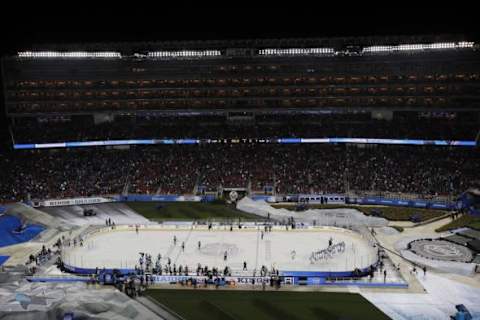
(72, 202)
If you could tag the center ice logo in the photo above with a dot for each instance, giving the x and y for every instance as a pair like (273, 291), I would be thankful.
(217, 248)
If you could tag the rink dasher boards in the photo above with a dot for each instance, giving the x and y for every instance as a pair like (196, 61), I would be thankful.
(287, 251)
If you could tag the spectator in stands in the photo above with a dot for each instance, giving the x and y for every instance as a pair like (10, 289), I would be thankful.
(425, 172)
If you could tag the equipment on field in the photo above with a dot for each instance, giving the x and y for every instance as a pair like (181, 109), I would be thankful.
(89, 212)
(416, 217)
(462, 313)
(376, 213)
(301, 207)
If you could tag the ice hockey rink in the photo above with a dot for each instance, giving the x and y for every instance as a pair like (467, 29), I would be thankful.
(282, 249)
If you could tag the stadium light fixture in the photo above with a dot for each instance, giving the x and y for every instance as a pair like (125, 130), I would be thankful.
(70, 54)
(419, 47)
(295, 51)
(184, 53)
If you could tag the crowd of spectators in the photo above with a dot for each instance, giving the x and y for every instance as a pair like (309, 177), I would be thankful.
(292, 168)
(40, 258)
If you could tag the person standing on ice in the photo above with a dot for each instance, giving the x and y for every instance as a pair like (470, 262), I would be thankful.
(262, 235)
(174, 240)
(183, 246)
(293, 253)
(199, 245)
(225, 256)
(158, 266)
(244, 265)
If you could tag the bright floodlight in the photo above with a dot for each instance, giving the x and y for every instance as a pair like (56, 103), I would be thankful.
(71, 54)
(184, 53)
(295, 51)
(417, 47)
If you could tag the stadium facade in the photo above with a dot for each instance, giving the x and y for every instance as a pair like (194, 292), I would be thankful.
(420, 90)
(254, 75)
(327, 127)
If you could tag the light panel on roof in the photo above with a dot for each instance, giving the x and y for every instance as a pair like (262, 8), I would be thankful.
(417, 47)
(71, 54)
(296, 51)
(184, 53)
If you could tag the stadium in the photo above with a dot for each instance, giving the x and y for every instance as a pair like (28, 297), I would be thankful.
(254, 178)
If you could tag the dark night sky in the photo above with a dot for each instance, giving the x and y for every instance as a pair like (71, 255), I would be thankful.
(19, 39)
(277, 19)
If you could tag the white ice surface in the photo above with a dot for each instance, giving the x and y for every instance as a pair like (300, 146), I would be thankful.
(120, 249)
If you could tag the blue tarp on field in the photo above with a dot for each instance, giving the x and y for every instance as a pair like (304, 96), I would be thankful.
(8, 236)
(3, 259)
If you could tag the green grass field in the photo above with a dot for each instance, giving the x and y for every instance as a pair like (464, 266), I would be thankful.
(464, 221)
(188, 211)
(258, 305)
(389, 213)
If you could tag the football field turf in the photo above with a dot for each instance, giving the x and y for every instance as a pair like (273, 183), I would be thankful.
(266, 305)
(188, 211)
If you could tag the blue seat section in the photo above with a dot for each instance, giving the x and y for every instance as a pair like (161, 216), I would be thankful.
(8, 236)
(3, 259)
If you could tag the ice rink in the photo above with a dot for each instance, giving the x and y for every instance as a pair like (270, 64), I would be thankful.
(284, 250)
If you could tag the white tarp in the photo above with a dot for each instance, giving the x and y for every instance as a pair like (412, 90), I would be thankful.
(438, 302)
(323, 217)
